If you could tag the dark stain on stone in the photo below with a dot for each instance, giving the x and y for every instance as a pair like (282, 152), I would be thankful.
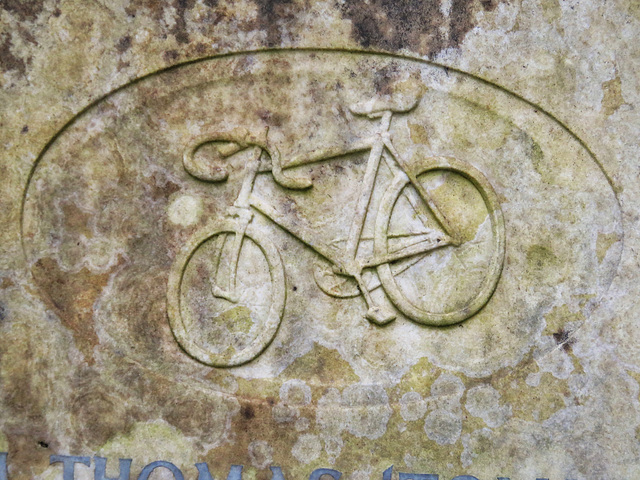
(76, 220)
(162, 187)
(394, 24)
(155, 8)
(270, 14)
(211, 3)
(123, 44)
(27, 35)
(200, 48)
(21, 392)
(25, 129)
(416, 24)
(25, 395)
(26, 10)
(384, 79)
(328, 367)
(98, 414)
(247, 411)
(71, 296)
(180, 27)
(191, 423)
(461, 19)
(170, 55)
(6, 282)
(8, 61)
(191, 413)
(270, 118)
(24, 457)
(3, 312)
(43, 444)
(563, 338)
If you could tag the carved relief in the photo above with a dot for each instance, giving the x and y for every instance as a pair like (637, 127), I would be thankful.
(414, 229)
(259, 208)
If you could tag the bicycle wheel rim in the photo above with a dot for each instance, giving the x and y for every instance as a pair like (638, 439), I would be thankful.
(405, 305)
(174, 303)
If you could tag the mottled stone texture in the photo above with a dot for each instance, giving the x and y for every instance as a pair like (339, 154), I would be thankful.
(100, 209)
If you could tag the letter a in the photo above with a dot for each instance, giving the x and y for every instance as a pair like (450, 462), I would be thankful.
(235, 472)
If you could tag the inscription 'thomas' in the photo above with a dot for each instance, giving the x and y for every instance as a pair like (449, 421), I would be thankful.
(69, 463)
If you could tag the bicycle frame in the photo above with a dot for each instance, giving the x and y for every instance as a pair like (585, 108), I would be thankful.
(349, 265)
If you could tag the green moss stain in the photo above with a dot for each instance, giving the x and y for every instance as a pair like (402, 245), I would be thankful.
(322, 367)
(419, 133)
(473, 125)
(612, 96)
(460, 202)
(539, 259)
(604, 242)
(551, 10)
(557, 319)
(536, 155)
(4, 443)
(237, 318)
(148, 442)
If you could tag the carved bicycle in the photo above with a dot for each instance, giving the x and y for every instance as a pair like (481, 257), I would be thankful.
(412, 226)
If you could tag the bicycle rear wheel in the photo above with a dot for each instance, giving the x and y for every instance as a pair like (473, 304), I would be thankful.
(444, 283)
(215, 330)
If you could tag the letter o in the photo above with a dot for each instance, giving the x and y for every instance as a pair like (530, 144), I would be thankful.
(319, 472)
(146, 471)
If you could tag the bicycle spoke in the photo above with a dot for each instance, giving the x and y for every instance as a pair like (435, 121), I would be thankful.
(401, 266)
(419, 207)
(218, 247)
(413, 250)
(407, 241)
(417, 204)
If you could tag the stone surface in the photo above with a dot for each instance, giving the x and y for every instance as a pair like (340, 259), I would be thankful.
(141, 139)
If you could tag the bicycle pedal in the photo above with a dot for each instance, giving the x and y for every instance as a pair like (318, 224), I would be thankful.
(220, 293)
(380, 316)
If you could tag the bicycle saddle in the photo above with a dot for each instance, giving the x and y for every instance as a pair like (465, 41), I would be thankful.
(375, 107)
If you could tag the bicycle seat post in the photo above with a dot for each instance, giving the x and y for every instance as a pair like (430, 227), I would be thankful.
(385, 120)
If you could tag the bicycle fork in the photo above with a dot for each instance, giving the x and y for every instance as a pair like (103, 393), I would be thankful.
(381, 314)
(240, 210)
(378, 314)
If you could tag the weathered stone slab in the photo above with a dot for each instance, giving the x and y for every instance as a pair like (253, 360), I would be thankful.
(326, 240)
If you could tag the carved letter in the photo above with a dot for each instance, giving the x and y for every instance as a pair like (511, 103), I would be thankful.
(420, 476)
(319, 472)
(386, 475)
(235, 472)
(69, 462)
(146, 471)
(3, 466)
(276, 473)
(101, 469)
(203, 471)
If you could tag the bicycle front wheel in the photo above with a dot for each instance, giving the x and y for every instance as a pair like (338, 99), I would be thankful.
(440, 281)
(225, 308)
